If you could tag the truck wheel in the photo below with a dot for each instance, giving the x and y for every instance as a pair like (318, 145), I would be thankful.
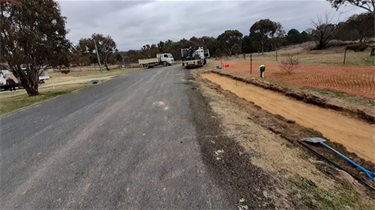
(165, 63)
(145, 66)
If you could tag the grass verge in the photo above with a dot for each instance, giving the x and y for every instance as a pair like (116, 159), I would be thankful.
(12, 101)
(57, 77)
(342, 197)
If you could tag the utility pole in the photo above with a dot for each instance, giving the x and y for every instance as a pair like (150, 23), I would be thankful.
(123, 60)
(251, 63)
(97, 53)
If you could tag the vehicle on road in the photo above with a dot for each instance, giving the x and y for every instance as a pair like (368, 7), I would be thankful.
(194, 56)
(165, 59)
(43, 76)
(4, 75)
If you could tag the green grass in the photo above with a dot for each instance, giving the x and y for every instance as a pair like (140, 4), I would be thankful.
(12, 101)
(358, 100)
(57, 77)
(342, 197)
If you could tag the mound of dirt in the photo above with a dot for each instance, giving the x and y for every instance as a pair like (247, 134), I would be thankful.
(305, 97)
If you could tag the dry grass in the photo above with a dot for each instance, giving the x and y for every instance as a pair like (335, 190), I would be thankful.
(293, 165)
(329, 57)
(314, 187)
(57, 77)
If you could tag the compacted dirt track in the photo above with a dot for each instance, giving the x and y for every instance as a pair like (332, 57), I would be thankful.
(357, 136)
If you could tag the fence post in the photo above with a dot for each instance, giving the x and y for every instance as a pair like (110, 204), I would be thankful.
(251, 64)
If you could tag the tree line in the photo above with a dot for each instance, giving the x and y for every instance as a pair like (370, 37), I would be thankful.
(264, 35)
(33, 38)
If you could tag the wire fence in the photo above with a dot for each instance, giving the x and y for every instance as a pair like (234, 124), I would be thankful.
(352, 80)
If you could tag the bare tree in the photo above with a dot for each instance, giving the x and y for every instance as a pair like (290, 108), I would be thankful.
(323, 31)
(289, 64)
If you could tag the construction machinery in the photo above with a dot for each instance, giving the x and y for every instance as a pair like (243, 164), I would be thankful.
(194, 56)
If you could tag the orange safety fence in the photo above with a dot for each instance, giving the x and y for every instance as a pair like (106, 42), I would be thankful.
(352, 80)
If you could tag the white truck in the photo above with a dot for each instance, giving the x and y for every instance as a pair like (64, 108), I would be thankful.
(4, 75)
(165, 59)
(43, 76)
(194, 56)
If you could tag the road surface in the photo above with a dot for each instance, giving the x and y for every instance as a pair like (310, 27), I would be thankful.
(127, 143)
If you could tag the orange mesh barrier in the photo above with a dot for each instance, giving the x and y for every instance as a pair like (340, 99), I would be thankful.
(352, 80)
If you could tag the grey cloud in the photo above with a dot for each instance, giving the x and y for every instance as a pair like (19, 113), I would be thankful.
(133, 24)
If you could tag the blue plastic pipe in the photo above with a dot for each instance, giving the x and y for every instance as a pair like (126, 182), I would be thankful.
(368, 173)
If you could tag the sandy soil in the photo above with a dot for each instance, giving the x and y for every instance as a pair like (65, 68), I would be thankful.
(357, 136)
(265, 136)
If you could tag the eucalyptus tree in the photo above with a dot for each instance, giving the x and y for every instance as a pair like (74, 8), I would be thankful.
(32, 38)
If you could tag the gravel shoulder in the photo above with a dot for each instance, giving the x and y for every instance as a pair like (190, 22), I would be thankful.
(268, 144)
(247, 185)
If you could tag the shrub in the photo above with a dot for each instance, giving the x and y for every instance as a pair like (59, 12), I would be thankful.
(357, 48)
(289, 64)
(65, 70)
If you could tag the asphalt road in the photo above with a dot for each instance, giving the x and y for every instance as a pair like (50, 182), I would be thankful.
(127, 143)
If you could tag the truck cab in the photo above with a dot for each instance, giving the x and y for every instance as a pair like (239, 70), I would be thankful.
(166, 58)
(4, 75)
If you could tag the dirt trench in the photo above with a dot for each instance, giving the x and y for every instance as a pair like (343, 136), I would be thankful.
(356, 135)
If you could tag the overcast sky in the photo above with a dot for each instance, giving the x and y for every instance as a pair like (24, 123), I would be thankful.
(132, 24)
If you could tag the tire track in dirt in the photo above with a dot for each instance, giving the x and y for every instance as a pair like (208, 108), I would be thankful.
(357, 136)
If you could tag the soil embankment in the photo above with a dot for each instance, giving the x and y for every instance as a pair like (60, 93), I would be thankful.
(356, 135)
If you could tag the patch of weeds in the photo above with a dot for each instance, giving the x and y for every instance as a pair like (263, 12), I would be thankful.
(304, 156)
(282, 171)
(357, 100)
(288, 145)
(329, 92)
(326, 168)
(317, 198)
(197, 89)
(294, 192)
(369, 61)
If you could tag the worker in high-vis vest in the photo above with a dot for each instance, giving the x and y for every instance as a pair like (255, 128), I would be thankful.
(262, 69)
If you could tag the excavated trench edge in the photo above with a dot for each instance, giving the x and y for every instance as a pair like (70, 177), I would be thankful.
(294, 139)
(302, 96)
